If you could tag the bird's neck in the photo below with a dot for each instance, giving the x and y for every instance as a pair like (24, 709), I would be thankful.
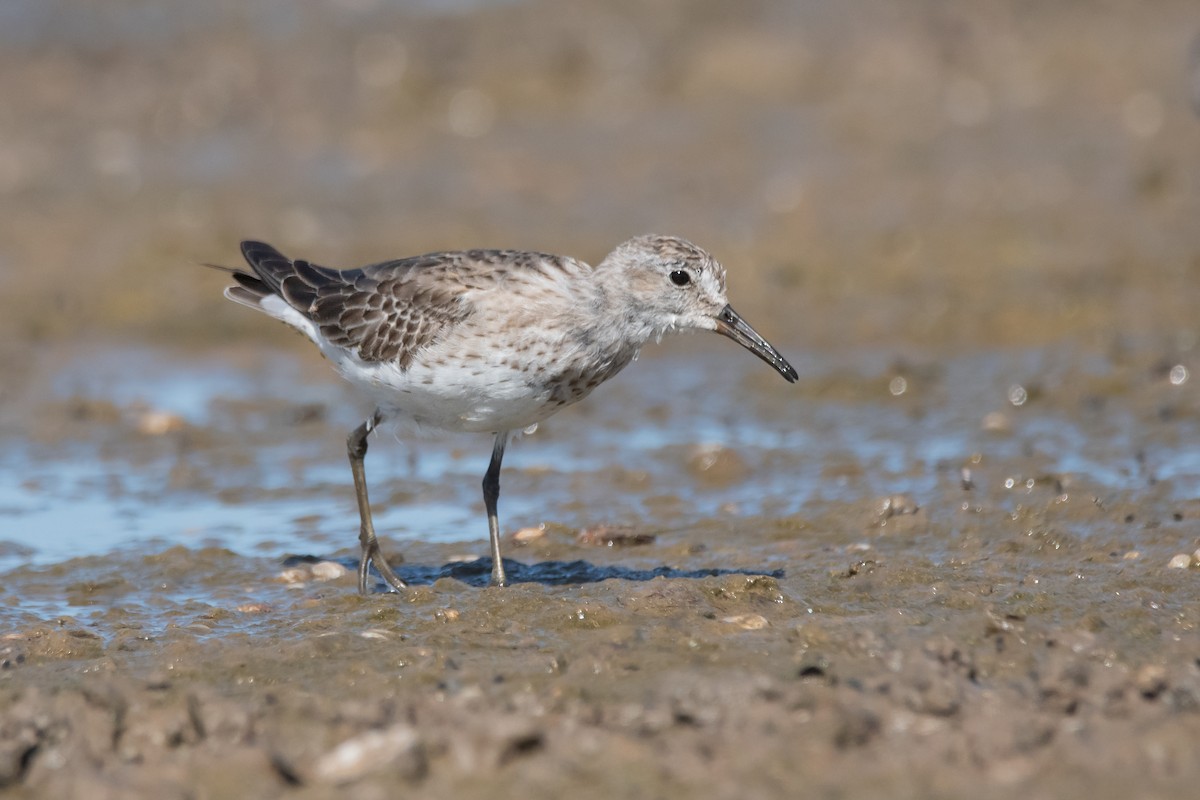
(622, 319)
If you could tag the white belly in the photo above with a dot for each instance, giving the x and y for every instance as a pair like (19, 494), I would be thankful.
(473, 381)
(452, 398)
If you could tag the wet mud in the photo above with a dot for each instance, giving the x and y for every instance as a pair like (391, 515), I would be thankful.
(918, 616)
(960, 557)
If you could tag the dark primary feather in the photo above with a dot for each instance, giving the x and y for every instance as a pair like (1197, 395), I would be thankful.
(384, 312)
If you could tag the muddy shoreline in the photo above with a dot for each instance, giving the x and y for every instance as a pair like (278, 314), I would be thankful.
(957, 558)
(897, 675)
(1000, 625)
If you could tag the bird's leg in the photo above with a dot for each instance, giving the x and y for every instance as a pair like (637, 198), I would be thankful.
(356, 447)
(491, 493)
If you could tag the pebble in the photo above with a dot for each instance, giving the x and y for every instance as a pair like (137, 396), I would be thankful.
(996, 422)
(397, 746)
(716, 463)
(527, 535)
(159, 423)
(612, 536)
(749, 622)
(320, 571)
(897, 505)
(327, 571)
(254, 608)
(965, 480)
(293, 575)
(1151, 680)
(1181, 561)
(376, 633)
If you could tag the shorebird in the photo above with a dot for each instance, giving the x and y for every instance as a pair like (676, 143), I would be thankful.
(488, 341)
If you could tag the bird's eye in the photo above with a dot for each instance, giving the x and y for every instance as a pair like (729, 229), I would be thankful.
(680, 277)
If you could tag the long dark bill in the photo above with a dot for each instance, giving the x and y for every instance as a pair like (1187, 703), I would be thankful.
(730, 324)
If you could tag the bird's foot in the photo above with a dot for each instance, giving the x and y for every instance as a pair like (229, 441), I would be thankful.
(372, 554)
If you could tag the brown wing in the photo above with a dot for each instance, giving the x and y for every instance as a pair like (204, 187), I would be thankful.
(384, 312)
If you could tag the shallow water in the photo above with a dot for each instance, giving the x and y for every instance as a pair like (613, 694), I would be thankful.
(250, 455)
(806, 572)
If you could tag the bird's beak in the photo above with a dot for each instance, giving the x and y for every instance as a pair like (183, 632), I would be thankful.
(730, 324)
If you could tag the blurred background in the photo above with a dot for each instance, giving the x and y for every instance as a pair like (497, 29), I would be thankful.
(926, 173)
(973, 227)
(940, 212)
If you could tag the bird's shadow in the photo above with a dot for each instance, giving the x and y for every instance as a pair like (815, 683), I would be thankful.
(547, 573)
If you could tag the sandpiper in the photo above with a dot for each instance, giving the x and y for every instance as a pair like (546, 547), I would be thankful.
(489, 341)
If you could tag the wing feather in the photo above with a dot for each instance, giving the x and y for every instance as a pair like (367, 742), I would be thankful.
(390, 311)
(385, 312)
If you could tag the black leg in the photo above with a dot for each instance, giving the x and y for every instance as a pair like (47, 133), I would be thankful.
(491, 493)
(356, 447)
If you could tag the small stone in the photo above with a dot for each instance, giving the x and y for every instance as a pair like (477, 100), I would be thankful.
(319, 571)
(254, 608)
(1132, 555)
(716, 463)
(527, 535)
(397, 746)
(376, 633)
(159, 423)
(294, 575)
(996, 422)
(749, 622)
(612, 536)
(1151, 680)
(327, 571)
(1181, 561)
(897, 505)
(965, 479)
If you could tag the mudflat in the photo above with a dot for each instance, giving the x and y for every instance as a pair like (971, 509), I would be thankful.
(958, 557)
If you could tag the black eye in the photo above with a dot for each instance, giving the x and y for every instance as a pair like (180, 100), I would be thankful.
(680, 277)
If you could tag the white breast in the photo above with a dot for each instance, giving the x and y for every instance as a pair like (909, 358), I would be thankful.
(454, 387)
